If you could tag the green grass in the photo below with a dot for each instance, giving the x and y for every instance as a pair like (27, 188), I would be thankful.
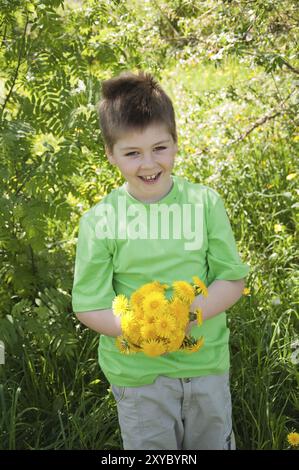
(198, 77)
(51, 402)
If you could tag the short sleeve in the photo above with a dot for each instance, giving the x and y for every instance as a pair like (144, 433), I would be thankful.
(93, 275)
(223, 258)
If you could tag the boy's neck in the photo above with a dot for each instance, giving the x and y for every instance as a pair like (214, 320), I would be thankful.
(151, 200)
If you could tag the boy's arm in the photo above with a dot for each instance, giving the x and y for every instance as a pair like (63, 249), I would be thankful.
(222, 294)
(101, 321)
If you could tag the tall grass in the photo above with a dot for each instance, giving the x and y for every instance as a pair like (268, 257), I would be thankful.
(49, 401)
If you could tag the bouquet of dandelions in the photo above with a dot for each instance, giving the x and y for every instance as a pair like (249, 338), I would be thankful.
(154, 325)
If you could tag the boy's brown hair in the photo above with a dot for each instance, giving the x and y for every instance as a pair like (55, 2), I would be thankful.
(133, 101)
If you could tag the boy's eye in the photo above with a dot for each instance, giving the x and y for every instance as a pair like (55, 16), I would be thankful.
(131, 154)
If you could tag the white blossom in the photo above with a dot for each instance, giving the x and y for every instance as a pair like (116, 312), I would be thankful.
(80, 87)
(295, 357)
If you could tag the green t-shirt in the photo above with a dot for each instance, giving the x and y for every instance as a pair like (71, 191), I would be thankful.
(124, 243)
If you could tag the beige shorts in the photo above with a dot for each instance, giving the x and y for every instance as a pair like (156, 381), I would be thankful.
(176, 414)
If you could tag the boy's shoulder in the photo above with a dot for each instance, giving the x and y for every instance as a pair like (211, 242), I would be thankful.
(109, 200)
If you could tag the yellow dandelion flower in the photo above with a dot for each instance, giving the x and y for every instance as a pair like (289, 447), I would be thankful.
(150, 317)
(177, 307)
(122, 344)
(148, 331)
(165, 325)
(184, 291)
(136, 299)
(176, 341)
(293, 439)
(246, 291)
(180, 311)
(201, 285)
(138, 313)
(182, 323)
(154, 348)
(120, 305)
(134, 333)
(199, 317)
(127, 322)
(196, 346)
(154, 303)
(135, 339)
(150, 287)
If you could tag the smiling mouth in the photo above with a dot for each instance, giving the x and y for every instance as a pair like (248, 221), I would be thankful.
(150, 179)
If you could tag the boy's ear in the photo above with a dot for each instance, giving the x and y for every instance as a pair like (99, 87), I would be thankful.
(109, 155)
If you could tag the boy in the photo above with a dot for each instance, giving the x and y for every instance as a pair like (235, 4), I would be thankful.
(158, 226)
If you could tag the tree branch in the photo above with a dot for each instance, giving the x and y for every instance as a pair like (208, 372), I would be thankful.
(17, 68)
(258, 123)
(264, 119)
(176, 32)
(289, 66)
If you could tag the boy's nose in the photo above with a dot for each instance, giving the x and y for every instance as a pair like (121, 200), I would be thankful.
(148, 160)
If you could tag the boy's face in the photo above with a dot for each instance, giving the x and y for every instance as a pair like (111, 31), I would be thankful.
(139, 154)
